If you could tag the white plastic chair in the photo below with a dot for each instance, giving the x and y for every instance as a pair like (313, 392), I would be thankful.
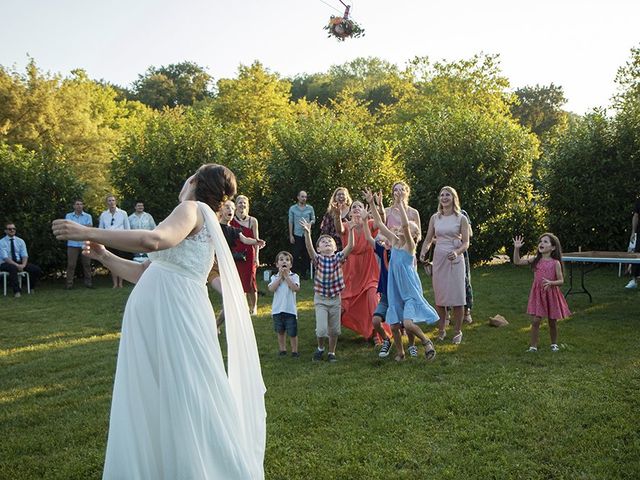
(21, 275)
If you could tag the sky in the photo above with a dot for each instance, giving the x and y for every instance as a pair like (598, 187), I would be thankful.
(578, 45)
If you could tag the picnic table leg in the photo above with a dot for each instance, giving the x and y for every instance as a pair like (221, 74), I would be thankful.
(584, 289)
(570, 280)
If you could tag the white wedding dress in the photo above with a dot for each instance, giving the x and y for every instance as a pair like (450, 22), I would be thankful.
(175, 413)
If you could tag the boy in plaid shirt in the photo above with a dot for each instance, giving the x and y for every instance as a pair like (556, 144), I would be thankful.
(327, 284)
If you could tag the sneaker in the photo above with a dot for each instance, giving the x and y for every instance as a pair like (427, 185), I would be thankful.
(386, 347)
(317, 355)
(331, 357)
(555, 347)
(413, 350)
(283, 353)
(532, 349)
(632, 284)
(295, 354)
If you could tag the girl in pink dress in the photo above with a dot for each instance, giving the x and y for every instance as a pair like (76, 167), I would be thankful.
(545, 299)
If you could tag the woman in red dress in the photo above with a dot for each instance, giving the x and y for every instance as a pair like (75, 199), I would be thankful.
(361, 272)
(248, 266)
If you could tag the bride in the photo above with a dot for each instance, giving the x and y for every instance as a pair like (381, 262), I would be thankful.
(176, 413)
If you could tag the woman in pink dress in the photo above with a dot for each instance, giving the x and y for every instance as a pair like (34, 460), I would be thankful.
(545, 299)
(247, 268)
(450, 229)
(361, 272)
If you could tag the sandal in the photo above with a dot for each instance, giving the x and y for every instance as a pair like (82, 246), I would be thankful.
(429, 350)
(442, 335)
(457, 338)
(467, 318)
(399, 358)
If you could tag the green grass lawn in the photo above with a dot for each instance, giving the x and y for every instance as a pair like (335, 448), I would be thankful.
(483, 409)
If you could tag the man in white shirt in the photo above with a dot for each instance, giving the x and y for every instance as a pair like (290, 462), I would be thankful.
(141, 220)
(114, 218)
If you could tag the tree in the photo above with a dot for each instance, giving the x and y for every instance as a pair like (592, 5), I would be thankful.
(487, 159)
(589, 185)
(74, 118)
(317, 151)
(539, 108)
(176, 84)
(35, 190)
(155, 159)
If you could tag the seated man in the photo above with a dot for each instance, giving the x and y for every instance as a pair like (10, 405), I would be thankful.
(14, 258)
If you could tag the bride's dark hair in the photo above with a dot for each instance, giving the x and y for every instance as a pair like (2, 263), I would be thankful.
(215, 184)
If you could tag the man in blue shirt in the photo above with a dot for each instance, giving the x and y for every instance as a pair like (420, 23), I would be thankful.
(298, 211)
(74, 248)
(14, 258)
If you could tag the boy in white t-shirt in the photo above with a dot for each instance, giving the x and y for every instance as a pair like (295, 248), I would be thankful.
(284, 286)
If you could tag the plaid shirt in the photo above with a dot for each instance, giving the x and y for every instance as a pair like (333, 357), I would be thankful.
(328, 280)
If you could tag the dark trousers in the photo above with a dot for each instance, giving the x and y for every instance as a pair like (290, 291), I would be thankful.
(33, 270)
(300, 257)
(72, 260)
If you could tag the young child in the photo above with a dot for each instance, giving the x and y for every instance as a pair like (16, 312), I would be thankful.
(284, 286)
(231, 234)
(328, 282)
(545, 299)
(407, 305)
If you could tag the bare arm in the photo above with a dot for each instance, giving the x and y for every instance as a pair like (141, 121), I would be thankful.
(130, 271)
(634, 224)
(259, 243)
(307, 238)
(404, 220)
(183, 220)
(367, 233)
(426, 245)
(371, 200)
(518, 242)
(347, 250)
(464, 232)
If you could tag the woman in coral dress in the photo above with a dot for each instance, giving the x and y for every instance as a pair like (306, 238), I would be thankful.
(361, 272)
(247, 268)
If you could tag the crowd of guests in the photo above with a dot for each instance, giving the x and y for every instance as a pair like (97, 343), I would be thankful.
(363, 264)
(365, 271)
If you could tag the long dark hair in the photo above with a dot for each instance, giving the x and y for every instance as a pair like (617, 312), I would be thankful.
(555, 254)
(215, 184)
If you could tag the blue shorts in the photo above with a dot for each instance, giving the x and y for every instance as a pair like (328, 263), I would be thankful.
(284, 321)
(383, 306)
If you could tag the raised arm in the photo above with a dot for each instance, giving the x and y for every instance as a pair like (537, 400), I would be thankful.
(337, 218)
(518, 242)
(307, 238)
(371, 200)
(347, 250)
(404, 221)
(367, 232)
(183, 220)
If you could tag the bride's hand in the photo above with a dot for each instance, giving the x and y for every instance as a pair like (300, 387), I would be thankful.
(95, 251)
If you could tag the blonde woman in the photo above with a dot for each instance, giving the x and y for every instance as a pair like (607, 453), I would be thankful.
(340, 202)
(451, 228)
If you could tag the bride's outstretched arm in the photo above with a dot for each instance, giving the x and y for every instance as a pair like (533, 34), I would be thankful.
(182, 221)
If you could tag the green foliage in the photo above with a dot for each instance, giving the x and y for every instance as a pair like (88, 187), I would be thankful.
(585, 177)
(182, 83)
(35, 190)
(487, 159)
(75, 118)
(539, 108)
(318, 152)
(155, 159)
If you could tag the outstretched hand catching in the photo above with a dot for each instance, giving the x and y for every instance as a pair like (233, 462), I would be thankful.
(518, 241)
